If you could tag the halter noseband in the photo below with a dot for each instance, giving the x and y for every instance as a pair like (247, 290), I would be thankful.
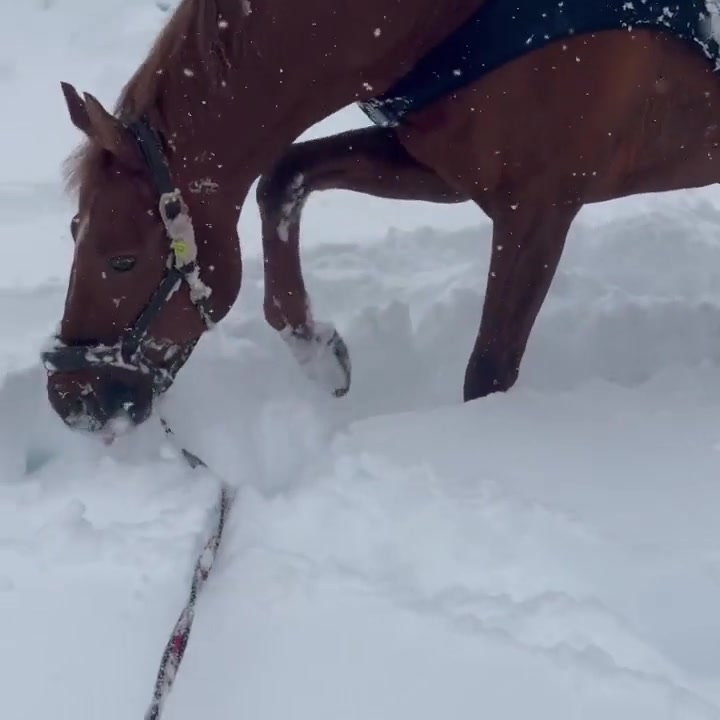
(127, 352)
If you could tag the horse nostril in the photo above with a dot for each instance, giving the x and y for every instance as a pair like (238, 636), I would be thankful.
(119, 397)
(81, 413)
(73, 413)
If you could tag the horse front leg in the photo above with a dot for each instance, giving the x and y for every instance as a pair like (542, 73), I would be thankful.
(527, 247)
(371, 161)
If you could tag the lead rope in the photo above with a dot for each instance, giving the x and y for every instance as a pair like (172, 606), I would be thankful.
(175, 648)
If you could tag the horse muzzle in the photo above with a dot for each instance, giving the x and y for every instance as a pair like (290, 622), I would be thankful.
(93, 401)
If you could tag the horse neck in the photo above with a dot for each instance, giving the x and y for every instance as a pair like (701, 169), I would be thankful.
(293, 64)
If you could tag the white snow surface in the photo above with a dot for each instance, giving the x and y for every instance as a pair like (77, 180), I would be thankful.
(552, 552)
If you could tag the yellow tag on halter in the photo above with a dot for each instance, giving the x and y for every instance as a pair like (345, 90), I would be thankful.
(179, 247)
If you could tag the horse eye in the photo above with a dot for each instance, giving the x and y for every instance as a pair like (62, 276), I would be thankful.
(122, 263)
(74, 226)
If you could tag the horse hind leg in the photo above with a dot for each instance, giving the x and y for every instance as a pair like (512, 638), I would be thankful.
(371, 161)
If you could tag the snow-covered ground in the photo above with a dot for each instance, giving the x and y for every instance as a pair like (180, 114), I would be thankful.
(550, 553)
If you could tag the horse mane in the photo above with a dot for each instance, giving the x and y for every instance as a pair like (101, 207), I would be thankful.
(142, 94)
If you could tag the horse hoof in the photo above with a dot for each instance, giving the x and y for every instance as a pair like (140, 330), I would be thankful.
(323, 357)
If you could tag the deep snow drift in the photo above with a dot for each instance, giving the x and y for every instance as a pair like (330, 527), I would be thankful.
(549, 553)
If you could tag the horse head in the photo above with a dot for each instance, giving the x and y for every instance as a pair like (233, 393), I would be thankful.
(135, 305)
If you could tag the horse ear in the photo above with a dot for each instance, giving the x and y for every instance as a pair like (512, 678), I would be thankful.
(108, 132)
(76, 108)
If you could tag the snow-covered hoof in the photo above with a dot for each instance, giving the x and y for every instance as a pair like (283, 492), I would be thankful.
(323, 356)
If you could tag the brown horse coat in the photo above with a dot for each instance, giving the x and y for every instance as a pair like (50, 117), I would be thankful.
(229, 85)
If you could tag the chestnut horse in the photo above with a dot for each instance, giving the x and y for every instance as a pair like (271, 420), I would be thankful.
(227, 88)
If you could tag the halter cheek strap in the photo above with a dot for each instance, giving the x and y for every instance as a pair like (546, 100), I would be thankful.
(180, 230)
(175, 216)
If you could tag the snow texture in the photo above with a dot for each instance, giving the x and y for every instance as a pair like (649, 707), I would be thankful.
(549, 553)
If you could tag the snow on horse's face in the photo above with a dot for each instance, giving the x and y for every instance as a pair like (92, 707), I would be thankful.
(120, 261)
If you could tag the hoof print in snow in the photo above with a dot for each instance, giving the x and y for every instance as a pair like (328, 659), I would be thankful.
(35, 460)
(342, 355)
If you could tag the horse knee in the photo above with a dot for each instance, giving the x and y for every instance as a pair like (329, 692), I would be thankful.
(485, 375)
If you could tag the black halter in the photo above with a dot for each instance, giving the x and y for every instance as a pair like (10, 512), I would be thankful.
(128, 352)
